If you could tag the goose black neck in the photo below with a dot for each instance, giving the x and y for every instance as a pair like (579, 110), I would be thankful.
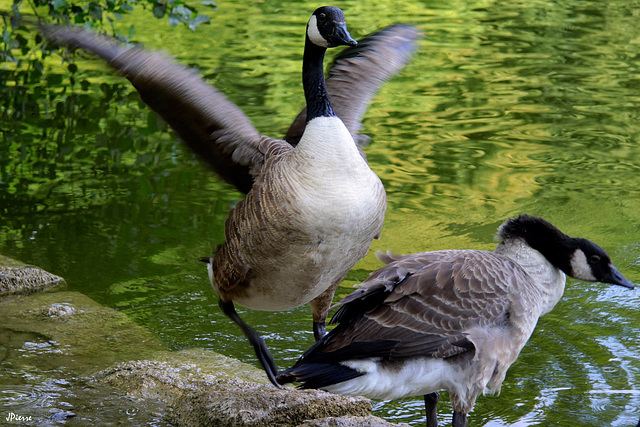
(315, 90)
(544, 237)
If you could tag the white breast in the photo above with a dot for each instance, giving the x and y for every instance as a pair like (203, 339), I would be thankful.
(332, 179)
(334, 207)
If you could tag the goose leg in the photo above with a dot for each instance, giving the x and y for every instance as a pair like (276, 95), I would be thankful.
(320, 308)
(259, 346)
(459, 419)
(319, 330)
(431, 408)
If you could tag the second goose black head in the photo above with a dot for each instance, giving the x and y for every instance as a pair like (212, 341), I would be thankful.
(577, 257)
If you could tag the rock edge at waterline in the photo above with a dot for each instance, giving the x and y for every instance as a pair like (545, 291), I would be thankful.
(192, 387)
(17, 278)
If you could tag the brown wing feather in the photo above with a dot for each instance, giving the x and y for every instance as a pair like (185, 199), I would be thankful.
(442, 295)
(359, 72)
(249, 229)
(211, 125)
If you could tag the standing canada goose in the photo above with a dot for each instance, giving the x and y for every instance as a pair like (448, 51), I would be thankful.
(450, 319)
(311, 210)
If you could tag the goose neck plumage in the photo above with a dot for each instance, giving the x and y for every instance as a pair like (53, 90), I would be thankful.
(548, 279)
(315, 89)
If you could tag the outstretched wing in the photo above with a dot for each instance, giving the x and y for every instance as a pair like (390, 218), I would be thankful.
(358, 73)
(211, 125)
(215, 128)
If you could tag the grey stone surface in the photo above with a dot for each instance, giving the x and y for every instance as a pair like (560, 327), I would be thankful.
(350, 421)
(19, 279)
(198, 396)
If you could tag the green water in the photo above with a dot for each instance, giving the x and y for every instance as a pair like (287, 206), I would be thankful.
(508, 107)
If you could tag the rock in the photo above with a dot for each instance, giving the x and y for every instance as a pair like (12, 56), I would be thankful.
(69, 334)
(58, 310)
(369, 421)
(26, 280)
(197, 396)
(240, 403)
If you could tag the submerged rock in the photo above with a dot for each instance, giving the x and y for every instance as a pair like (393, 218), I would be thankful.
(58, 310)
(70, 330)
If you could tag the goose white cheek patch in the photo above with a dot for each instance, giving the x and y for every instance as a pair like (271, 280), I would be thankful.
(580, 267)
(314, 34)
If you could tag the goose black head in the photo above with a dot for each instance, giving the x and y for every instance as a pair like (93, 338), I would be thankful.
(590, 262)
(328, 28)
(577, 257)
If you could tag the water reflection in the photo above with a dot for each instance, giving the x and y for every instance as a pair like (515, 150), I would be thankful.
(57, 401)
(508, 107)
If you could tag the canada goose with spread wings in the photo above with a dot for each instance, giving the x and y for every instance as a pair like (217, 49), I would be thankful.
(450, 319)
(215, 128)
(311, 209)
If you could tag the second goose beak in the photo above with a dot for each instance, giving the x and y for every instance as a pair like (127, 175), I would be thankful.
(616, 278)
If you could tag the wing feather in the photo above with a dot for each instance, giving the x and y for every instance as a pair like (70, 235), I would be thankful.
(212, 126)
(431, 301)
(358, 73)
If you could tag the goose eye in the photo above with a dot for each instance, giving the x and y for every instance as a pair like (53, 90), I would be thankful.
(594, 259)
(322, 17)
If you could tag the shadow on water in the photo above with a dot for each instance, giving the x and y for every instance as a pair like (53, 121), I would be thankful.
(508, 107)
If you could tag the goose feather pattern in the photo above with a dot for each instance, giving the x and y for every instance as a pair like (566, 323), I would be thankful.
(313, 206)
(449, 319)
